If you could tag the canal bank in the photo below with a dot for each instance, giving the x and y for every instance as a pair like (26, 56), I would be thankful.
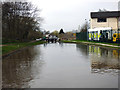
(61, 65)
(12, 48)
(110, 45)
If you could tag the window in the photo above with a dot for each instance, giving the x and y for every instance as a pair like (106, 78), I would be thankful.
(102, 20)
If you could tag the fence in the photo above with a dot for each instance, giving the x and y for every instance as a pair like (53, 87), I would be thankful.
(102, 36)
(81, 36)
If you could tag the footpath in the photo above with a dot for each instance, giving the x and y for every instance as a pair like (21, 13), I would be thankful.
(112, 45)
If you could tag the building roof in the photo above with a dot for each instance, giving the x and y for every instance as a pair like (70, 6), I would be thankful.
(107, 14)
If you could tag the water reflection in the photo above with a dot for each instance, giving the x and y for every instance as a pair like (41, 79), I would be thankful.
(104, 60)
(83, 48)
(45, 44)
(20, 68)
(61, 66)
(104, 52)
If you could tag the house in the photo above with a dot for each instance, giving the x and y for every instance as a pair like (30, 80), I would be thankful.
(105, 19)
(104, 25)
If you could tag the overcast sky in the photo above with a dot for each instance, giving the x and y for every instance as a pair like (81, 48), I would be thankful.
(69, 14)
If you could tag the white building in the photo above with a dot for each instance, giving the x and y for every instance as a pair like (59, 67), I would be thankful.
(119, 17)
(105, 19)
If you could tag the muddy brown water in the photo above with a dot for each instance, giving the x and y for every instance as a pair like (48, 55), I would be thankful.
(62, 66)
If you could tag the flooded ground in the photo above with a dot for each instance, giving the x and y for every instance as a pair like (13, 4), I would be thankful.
(62, 66)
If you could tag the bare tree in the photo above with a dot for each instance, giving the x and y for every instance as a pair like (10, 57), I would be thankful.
(55, 33)
(19, 19)
(84, 27)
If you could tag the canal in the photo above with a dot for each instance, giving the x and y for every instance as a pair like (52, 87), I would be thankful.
(62, 65)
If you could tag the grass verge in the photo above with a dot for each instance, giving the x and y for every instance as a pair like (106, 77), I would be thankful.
(7, 48)
(111, 45)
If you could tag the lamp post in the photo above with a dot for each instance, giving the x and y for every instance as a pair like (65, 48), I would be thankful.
(87, 27)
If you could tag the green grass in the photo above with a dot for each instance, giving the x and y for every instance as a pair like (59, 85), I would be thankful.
(93, 43)
(14, 46)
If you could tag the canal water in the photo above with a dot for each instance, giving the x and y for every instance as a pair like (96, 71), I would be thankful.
(62, 65)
